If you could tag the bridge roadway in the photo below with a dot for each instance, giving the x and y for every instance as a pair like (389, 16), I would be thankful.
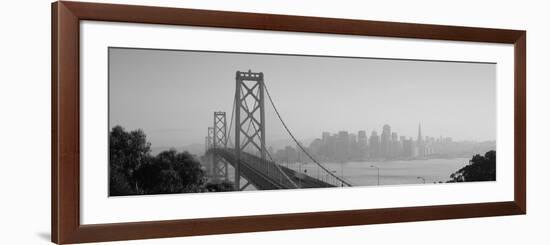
(268, 175)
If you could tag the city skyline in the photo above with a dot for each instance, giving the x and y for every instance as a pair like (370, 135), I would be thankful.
(369, 132)
(357, 93)
(280, 143)
(343, 146)
(275, 145)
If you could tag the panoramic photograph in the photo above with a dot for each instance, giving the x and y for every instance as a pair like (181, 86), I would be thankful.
(189, 121)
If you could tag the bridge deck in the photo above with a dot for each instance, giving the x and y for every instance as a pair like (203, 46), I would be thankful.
(268, 175)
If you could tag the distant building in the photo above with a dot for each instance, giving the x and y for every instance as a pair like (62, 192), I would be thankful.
(316, 146)
(385, 142)
(353, 139)
(395, 146)
(402, 152)
(325, 137)
(374, 145)
(288, 155)
(408, 148)
(362, 144)
(343, 145)
(420, 143)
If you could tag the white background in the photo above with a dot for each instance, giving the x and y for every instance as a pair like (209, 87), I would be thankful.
(25, 124)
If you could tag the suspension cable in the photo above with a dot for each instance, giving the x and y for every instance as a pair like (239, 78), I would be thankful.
(266, 151)
(298, 143)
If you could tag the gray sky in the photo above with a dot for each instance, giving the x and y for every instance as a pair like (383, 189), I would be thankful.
(172, 95)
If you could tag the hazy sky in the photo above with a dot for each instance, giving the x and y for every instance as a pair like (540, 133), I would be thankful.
(172, 95)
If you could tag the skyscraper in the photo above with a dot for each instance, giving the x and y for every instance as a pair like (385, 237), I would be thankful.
(362, 144)
(419, 139)
(342, 149)
(362, 137)
(394, 145)
(408, 147)
(420, 142)
(374, 145)
(325, 137)
(402, 149)
(385, 141)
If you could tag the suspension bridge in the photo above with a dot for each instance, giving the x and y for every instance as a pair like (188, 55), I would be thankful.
(246, 153)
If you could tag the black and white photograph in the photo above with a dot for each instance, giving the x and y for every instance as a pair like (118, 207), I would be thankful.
(185, 121)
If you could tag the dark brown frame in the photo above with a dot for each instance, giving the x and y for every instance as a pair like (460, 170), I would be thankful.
(65, 178)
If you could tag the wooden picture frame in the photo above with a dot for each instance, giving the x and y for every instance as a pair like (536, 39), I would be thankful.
(65, 169)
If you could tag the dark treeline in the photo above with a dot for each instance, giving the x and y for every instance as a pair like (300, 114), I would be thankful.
(135, 171)
(480, 168)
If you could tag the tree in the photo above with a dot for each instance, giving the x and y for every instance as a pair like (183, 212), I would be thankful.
(134, 171)
(171, 172)
(127, 152)
(480, 168)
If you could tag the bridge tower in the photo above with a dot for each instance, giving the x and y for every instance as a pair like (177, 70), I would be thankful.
(208, 139)
(208, 143)
(219, 141)
(249, 117)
